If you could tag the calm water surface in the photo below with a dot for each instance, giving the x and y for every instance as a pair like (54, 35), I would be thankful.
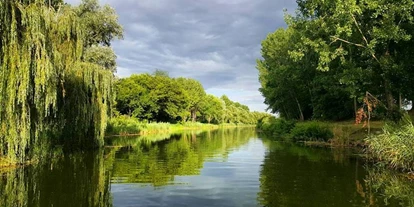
(233, 167)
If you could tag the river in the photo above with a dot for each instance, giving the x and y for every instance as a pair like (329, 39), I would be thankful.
(230, 167)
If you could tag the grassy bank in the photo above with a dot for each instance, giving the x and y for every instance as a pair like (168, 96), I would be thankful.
(124, 125)
(394, 147)
(387, 144)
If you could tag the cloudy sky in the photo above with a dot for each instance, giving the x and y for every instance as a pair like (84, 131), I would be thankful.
(214, 41)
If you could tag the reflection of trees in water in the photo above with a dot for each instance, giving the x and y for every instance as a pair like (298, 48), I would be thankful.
(75, 180)
(294, 175)
(157, 163)
(83, 179)
(394, 189)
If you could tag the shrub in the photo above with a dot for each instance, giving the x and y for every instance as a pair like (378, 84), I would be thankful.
(311, 131)
(276, 126)
(282, 127)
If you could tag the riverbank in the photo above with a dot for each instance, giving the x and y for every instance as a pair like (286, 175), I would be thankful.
(317, 133)
(126, 126)
(385, 144)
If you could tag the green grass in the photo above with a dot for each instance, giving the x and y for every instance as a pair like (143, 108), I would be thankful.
(124, 125)
(394, 147)
(347, 133)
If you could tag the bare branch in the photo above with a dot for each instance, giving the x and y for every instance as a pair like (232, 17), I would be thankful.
(359, 29)
(363, 37)
(346, 41)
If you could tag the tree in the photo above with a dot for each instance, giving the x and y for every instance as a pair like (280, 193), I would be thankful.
(211, 108)
(103, 56)
(152, 97)
(196, 93)
(372, 29)
(100, 24)
(285, 82)
(48, 94)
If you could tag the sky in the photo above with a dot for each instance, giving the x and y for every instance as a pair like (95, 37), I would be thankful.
(216, 42)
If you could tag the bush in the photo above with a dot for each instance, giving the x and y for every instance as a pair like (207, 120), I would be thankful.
(394, 147)
(282, 127)
(311, 131)
(276, 126)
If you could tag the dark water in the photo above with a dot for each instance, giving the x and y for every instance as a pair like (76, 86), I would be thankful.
(217, 168)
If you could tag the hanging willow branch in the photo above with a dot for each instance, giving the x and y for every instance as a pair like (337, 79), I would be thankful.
(45, 88)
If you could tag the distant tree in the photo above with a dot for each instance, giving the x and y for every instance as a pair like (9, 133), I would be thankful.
(196, 93)
(211, 108)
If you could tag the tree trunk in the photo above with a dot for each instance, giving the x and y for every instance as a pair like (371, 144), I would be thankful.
(400, 100)
(287, 115)
(302, 118)
(193, 115)
(389, 97)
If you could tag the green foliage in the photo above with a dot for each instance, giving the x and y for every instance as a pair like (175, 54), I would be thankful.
(394, 147)
(211, 108)
(152, 97)
(103, 56)
(296, 131)
(48, 94)
(332, 53)
(99, 23)
(196, 95)
(311, 131)
(159, 98)
(276, 126)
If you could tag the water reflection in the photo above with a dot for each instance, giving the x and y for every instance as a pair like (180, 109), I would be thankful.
(215, 168)
(157, 163)
(73, 180)
(396, 189)
(294, 175)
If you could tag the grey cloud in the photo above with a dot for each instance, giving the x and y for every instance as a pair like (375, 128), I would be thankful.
(214, 41)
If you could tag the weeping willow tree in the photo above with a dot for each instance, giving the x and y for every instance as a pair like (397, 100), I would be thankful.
(48, 95)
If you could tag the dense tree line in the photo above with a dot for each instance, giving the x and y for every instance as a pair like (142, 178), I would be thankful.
(159, 98)
(56, 75)
(332, 53)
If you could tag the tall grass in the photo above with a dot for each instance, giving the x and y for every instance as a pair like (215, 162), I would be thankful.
(394, 147)
(124, 125)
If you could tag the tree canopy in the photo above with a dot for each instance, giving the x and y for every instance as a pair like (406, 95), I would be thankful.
(331, 54)
(160, 98)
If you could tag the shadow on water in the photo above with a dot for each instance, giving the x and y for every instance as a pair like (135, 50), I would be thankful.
(294, 175)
